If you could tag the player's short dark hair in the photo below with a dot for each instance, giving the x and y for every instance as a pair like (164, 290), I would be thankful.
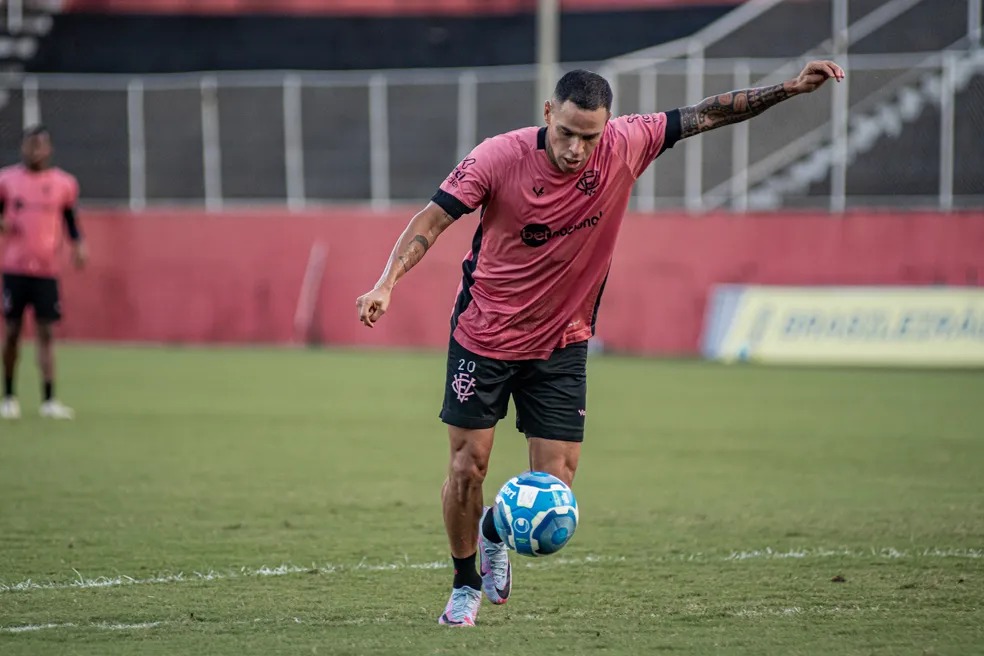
(585, 89)
(35, 130)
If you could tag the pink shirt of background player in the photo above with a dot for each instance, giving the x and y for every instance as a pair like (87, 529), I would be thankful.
(34, 205)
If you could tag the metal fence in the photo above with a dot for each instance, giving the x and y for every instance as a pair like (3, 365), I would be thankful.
(904, 130)
(389, 137)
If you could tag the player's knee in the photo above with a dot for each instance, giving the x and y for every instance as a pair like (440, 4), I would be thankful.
(562, 470)
(468, 468)
(561, 465)
(570, 467)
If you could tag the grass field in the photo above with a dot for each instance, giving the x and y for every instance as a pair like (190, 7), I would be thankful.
(261, 502)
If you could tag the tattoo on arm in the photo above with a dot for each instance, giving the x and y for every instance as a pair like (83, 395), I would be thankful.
(727, 108)
(410, 250)
(414, 252)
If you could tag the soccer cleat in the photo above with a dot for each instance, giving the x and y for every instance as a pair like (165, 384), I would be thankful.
(495, 568)
(56, 410)
(9, 408)
(462, 608)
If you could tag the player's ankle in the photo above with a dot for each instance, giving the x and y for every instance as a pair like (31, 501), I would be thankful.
(488, 528)
(465, 573)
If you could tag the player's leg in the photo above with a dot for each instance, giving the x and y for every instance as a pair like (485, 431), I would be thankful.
(551, 409)
(9, 406)
(476, 396)
(13, 313)
(461, 498)
(47, 310)
(555, 457)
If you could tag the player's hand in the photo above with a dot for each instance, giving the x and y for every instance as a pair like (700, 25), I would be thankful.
(372, 305)
(815, 74)
(79, 255)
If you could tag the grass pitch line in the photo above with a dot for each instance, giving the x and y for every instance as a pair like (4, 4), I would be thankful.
(28, 628)
(82, 582)
(749, 613)
(886, 552)
(814, 611)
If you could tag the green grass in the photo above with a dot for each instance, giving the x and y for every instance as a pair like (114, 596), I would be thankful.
(718, 506)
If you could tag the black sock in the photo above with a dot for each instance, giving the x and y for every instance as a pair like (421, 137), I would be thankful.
(49, 390)
(465, 573)
(488, 528)
(8, 386)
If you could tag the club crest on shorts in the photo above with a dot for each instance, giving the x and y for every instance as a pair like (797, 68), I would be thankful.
(464, 386)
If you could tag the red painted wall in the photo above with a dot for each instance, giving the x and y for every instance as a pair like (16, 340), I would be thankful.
(182, 276)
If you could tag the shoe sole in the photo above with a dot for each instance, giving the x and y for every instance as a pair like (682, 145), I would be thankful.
(446, 622)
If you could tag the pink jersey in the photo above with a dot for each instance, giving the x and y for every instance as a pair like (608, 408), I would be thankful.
(34, 203)
(540, 257)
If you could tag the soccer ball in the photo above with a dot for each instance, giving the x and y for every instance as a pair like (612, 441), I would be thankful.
(535, 514)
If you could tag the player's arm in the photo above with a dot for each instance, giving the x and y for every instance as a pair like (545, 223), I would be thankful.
(420, 234)
(737, 106)
(79, 253)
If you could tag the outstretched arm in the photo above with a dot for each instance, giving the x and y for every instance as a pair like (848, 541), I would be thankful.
(420, 234)
(736, 106)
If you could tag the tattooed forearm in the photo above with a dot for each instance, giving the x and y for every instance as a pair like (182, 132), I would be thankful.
(728, 108)
(414, 242)
(414, 252)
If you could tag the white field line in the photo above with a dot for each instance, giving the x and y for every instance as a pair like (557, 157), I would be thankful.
(792, 611)
(108, 626)
(885, 552)
(749, 613)
(124, 626)
(82, 582)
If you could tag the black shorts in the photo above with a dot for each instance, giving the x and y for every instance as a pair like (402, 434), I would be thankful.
(549, 395)
(39, 293)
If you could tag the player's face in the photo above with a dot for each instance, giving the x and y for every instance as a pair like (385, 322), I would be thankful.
(573, 134)
(36, 150)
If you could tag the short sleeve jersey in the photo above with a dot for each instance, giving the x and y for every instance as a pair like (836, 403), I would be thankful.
(33, 213)
(533, 279)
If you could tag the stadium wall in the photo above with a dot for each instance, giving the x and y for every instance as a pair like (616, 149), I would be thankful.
(179, 276)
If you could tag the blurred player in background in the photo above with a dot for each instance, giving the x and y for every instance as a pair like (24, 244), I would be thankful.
(37, 203)
(552, 202)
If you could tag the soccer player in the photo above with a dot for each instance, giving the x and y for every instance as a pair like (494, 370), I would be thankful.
(552, 202)
(35, 199)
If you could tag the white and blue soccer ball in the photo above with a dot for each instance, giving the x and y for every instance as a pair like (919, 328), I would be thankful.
(535, 514)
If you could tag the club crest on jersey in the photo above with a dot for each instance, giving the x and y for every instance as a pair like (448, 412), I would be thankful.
(463, 385)
(589, 182)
